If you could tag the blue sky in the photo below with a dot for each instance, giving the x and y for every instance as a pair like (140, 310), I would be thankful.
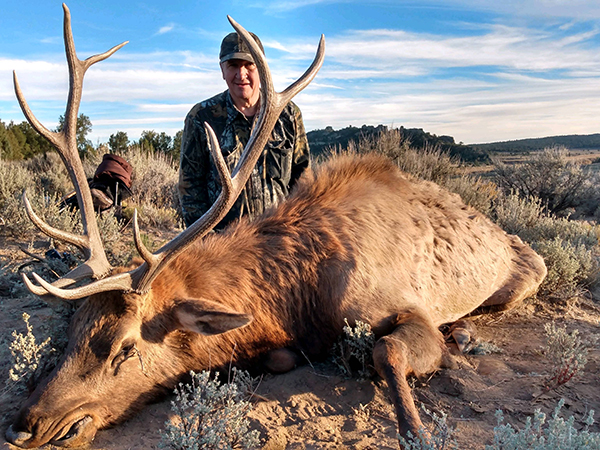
(480, 71)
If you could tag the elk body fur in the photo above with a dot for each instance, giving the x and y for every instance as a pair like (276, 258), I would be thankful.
(357, 239)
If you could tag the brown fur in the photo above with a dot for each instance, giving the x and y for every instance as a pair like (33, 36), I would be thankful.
(357, 240)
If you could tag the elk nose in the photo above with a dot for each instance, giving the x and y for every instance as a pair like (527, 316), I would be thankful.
(18, 438)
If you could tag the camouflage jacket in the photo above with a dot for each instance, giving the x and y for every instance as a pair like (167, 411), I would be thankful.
(284, 158)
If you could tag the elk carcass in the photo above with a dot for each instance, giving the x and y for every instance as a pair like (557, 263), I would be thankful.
(356, 240)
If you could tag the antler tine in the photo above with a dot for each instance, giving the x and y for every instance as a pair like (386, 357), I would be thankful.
(272, 104)
(51, 136)
(146, 273)
(119, 282)
(308, 76)
(73, 239)
(65, 142)
(146, 254)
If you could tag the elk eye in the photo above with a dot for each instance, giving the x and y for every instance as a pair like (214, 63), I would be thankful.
(127, 351)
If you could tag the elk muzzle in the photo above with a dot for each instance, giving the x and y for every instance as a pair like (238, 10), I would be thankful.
(73, 434)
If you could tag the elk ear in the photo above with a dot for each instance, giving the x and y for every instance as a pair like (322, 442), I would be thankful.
(207, 317)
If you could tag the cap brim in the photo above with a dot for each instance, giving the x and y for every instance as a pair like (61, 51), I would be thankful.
(242, 56)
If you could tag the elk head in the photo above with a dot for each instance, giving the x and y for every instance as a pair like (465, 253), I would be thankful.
(131, 337)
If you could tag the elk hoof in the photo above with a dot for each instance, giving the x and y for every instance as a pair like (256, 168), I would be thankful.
(464, 334)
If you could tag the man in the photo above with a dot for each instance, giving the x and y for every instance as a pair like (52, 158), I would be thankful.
(232, 114)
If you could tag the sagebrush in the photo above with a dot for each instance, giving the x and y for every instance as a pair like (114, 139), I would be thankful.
(539, 434)
(209, 415)
(439, 435)
(568, 353)
(27, 355)
(356, 344)
(561, 184)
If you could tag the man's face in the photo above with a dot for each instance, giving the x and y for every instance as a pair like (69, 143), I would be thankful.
(242, 80)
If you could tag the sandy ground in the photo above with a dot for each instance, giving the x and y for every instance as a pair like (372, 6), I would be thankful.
(315, 407)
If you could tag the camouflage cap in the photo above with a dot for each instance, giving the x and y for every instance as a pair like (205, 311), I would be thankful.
(234, 47)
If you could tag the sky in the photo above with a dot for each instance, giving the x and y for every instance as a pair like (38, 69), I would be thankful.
(477, 70)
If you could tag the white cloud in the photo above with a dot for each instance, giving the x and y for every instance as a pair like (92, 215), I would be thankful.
(579, 9)
(166, 28)
(518, 48)
(276, 6)
(500, 82)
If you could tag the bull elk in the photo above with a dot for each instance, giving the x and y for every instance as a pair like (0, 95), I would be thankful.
(356, 240)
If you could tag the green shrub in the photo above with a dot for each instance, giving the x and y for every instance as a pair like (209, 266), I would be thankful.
(571, 268)
(357, 344)
(475, 192)
(560, 184)
(567, 352)
(208, 415)
(556, 434)
(439, 436)
(27, 354)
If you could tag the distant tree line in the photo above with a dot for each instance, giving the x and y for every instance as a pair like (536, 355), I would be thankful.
(21, 141)
(572, 142)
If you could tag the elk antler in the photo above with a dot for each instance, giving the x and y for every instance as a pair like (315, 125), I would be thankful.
(96, 265)
(272, 103)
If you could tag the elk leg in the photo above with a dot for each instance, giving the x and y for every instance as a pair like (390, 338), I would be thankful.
(415, 347)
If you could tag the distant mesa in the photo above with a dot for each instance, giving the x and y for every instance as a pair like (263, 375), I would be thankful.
(321, 140)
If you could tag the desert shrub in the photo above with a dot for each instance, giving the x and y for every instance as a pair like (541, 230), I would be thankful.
(574, 231)
(356, 344)
(164, 218)
(49, 173)
(557, 433)
(567, 246)
(155, 178)
(517, 214)
(571, 268)
(475, 192)
(46, 206)
(439, 436)
(154, 187)
(46, 181)
(484, 348)
(209, 415)
(550, 176)
(567, 352)
(14, 178)
(27, 354)
(428, 163)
